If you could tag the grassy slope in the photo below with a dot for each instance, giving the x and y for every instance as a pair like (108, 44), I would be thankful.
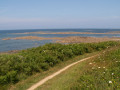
(94, 74)
(22, 65)
(23, 85)
(64, 80)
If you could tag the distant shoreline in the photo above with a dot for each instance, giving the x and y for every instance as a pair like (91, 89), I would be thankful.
(63, 40)
(66, 40)
(71, 39)
(41, 32)
(9, 52)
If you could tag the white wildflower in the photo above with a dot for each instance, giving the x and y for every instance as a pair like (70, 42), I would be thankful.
(98, 67)
(103, 67)
(90, 63)
(110, 81)
(112, 73)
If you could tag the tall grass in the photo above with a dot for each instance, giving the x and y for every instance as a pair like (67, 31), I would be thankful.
(103, 73)
(16, 67)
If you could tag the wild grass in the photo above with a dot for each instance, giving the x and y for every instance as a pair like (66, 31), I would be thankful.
(102, 74)
(99, 73)
(19, 66)
(27, 83)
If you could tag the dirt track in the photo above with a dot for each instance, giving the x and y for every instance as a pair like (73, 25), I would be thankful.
(56, 73)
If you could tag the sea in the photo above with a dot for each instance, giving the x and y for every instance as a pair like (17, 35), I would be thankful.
(8, 45)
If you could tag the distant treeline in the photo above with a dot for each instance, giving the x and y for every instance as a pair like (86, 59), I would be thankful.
(19, 66)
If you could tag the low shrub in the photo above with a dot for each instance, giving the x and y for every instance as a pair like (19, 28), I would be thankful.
(14, 67)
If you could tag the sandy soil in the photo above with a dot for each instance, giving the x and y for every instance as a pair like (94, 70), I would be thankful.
(56, 73)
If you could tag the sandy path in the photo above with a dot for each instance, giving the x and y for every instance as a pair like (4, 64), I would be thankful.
(56, 73)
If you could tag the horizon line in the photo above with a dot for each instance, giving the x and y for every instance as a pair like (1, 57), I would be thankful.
(57, 28)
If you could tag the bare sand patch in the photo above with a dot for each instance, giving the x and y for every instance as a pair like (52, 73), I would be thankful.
(6, 38)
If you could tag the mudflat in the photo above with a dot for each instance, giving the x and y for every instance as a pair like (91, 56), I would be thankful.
(72, 39)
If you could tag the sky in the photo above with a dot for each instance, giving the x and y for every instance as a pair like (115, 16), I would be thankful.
(53, 14)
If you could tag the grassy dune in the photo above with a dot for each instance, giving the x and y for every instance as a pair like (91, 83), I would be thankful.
(19, 66)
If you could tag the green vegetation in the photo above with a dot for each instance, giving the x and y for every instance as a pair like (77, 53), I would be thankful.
(27, 83)
(16, 67)
(102, 74)
(99, 73)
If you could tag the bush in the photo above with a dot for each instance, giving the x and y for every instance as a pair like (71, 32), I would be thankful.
(10, 77)
(44, 66)
(14, 67)
(3, 80)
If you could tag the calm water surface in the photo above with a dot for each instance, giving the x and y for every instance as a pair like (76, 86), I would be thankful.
(7, 45)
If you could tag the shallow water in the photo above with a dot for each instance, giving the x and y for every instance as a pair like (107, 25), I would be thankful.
(6, 45)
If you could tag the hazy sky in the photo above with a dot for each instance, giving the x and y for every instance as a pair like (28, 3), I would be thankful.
(38, 14)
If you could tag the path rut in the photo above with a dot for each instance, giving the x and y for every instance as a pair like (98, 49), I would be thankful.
(56, 73)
